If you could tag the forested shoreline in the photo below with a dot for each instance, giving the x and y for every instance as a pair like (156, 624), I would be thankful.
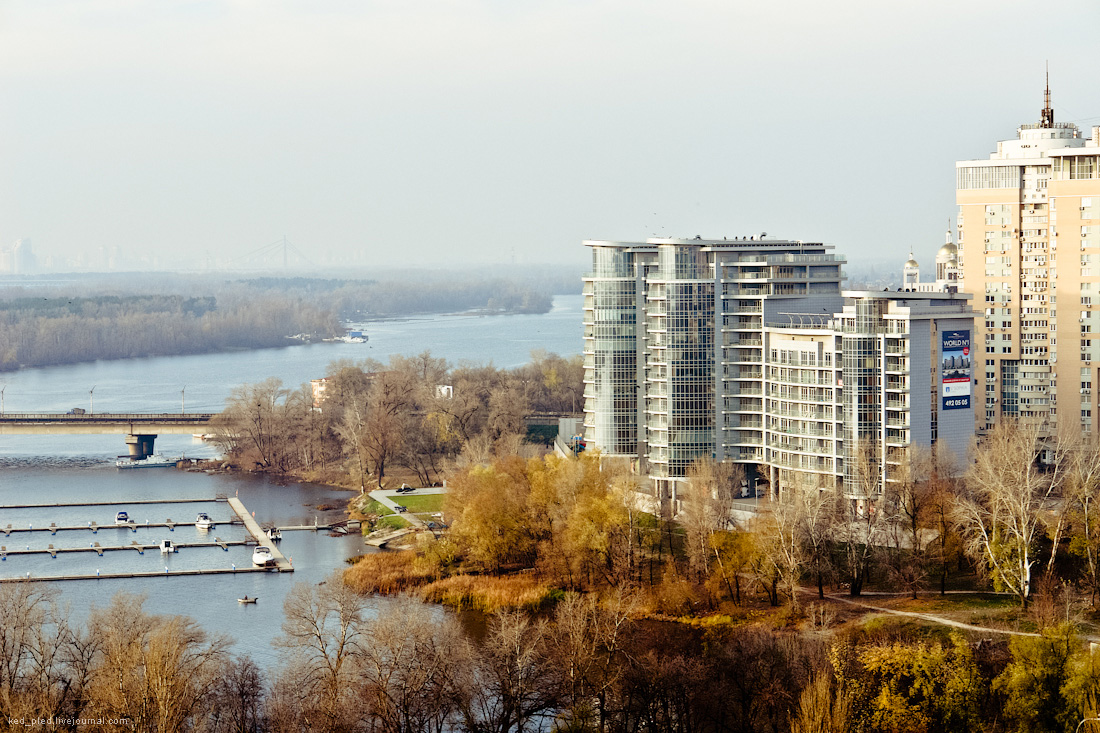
(124, 317)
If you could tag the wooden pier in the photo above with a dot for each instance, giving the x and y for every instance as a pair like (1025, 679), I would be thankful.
(260, 536)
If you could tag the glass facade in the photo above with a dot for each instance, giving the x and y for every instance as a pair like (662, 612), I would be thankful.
(680, 361)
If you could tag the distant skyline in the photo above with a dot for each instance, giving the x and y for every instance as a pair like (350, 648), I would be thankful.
(440, 133)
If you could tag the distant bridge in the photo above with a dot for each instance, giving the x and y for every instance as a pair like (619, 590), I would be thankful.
(140, 429)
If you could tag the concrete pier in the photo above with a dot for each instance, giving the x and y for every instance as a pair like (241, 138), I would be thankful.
(260, 536)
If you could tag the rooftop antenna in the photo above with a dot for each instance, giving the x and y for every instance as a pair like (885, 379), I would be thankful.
(1048, 113)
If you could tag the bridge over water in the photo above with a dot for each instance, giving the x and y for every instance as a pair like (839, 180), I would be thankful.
(140, 429)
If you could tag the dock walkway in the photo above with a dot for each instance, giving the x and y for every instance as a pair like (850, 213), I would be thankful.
(132, 526)
(140, 574)
(114, 502)
(100, 549)
(261, 537)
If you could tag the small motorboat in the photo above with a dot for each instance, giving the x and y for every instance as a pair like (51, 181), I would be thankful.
(167, 547)
(262, 556)
(122, 518)
(246, 599)
(203, 521)
(274, 534)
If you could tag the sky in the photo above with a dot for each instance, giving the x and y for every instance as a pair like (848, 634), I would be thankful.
(453, 133)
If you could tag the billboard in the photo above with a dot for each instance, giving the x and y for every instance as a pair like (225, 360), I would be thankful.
(955, 369)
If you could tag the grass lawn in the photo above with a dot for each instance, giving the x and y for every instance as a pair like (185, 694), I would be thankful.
(370, 506)
(420, 504)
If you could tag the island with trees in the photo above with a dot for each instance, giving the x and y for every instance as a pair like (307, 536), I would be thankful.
(91, 317)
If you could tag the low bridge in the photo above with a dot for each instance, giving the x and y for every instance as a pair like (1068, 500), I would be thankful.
(140, 429)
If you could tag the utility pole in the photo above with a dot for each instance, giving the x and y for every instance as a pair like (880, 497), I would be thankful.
(2, 399)
(183, 400)
(91, 400)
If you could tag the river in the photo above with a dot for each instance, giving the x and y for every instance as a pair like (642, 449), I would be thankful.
(75, 468)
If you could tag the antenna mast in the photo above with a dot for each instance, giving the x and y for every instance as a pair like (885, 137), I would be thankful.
(1047, 120)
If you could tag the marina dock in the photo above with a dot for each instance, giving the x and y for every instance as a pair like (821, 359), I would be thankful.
(132, 526)
(148, 574)
(100, 549)
(260, 536)
(114, 502)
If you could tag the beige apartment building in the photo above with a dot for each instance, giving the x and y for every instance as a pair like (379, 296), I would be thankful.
(1029, 251)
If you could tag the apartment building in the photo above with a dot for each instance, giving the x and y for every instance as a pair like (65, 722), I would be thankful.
(1029, 249)
(746, 350)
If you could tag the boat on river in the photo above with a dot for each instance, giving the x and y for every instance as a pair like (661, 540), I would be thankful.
(154, 461)
(203, 521)
(262, 556)
(166, 547)
(122, 518)
(246, 599)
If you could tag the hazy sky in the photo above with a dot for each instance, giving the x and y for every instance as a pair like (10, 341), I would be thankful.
(452, 131)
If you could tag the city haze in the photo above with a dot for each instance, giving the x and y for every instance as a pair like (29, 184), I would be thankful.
(191, 135)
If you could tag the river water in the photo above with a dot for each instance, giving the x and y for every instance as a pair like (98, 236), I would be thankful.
(75, 468)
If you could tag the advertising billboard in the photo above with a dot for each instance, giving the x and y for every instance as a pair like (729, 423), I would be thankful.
(955, 369)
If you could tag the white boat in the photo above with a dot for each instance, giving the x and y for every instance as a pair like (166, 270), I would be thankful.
(274, 534)
(262, 556)
(122, 518)
(246, 599)
(167, 547)
(154, 461)
(203, 521)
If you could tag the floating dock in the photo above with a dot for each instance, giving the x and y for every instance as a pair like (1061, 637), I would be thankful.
(132, 526)
(152, 574)
(100, 549)
(260, 536)
(115, 502)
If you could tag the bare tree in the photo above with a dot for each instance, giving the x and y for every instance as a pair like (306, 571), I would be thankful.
(322, 631)
(999, 513)
(706, 509)
(155, 671)
(862, 532)
(407, 676)
(511, 684)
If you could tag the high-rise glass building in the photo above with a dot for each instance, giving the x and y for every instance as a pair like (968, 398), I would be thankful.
(746, 350)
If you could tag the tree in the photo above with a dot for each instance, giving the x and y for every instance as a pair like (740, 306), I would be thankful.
(156, 671)
(999, 511)
(862, 532)
(588, 639)
(511, 683)
(323, 634)
(707, 509)
(1083, 507)
(1035, 681)
(406, 681)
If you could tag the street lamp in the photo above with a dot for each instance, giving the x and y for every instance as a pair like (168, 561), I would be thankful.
(91, 400)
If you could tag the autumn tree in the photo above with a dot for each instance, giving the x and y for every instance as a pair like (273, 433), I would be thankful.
(707, 509)
(155, 671)
(999, 511)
